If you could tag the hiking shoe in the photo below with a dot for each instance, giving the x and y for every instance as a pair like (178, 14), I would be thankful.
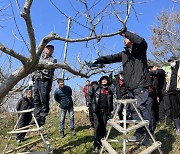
(147, 141)
(73, 132)
(62, 134)
(137, 137)
(96, 150)
(18, 141)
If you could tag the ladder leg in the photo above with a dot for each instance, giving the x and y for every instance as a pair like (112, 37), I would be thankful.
(124, 126)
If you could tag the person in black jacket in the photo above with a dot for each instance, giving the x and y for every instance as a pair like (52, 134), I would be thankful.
(24, 103)
(161, 104)
(63, 95)
(174, 91)
(102, 106)
(136, 78)
(121, 91)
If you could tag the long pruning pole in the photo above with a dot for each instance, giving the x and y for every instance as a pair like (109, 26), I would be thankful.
(66, 45)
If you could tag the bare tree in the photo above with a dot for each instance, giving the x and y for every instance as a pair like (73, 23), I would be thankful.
(93, 22)
(166, 35)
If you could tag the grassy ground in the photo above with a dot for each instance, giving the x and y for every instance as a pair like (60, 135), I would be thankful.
(83, 141)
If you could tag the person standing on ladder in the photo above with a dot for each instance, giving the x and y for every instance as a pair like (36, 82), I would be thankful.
(136, 78)
(42, 85)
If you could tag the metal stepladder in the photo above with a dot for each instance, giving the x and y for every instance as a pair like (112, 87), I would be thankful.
(115, 123)
(25, 130)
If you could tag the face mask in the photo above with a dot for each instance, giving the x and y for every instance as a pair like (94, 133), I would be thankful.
(173, 64)
(121, 77)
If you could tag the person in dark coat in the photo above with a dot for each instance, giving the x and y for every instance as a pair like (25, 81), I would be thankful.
(136, 78)
(63, 95)
(24, 103)
(121, 91)
(174, 91)
(102, 106)
(87, 90)
(161, 106)
(42, 85)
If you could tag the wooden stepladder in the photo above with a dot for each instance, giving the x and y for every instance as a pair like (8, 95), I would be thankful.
(115, 123)
(25, 130)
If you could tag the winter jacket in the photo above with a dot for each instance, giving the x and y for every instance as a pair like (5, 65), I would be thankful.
(25, 104)
(173, 80)
(158, 81)
(96, 97)
(134, 62)
(121, 90)
(45, 74)
(64, 97)
(87, 90)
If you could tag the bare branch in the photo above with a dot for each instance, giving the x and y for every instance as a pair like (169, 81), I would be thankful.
(30, 30)
(13, 53)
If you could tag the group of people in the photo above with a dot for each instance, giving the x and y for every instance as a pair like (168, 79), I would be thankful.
(157, 92)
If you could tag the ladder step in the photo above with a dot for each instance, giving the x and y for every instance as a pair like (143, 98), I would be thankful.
(24, 131)
(116, 126)
(108, 147)
(25, 111)
(139, 125)
(125, 101)
(121, 129)
(40, 152)
(151, 148)
(25, 127)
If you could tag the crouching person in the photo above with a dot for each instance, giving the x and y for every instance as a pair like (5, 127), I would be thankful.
(63, 95)
(102, 105)
(24, 103)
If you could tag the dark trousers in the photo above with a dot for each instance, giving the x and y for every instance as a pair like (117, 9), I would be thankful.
(164, 110)
(155, 107)
(128, 111)
(22, 123)
(100, 121)
(174, 98)
(91, 118)
(42, 90)
(144, 105)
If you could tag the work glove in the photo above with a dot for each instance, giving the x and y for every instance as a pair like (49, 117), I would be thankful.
(91, 64)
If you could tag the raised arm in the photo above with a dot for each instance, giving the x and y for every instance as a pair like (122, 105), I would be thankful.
(109, 59)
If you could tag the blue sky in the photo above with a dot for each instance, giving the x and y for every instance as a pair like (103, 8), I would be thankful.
(47, 19)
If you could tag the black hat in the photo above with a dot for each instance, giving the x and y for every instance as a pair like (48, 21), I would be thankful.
(105, 77)
(60, 79)
(173, 58)
(49, 45)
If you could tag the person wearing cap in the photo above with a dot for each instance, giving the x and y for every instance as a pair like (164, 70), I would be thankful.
(102, 106)
(161, 106)
(63, 95)
(24, 103)
(42, 85)
(136, 78)
(173, 89)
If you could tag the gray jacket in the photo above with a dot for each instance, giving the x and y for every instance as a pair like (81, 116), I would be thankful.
(45, 73)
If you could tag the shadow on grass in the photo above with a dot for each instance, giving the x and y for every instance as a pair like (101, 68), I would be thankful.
(80, 128)
(70, 145)
(167, 140)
